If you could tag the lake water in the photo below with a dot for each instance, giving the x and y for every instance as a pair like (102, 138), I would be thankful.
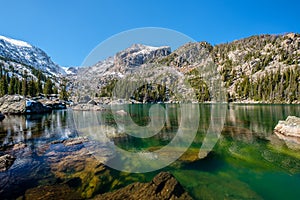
(247, 161)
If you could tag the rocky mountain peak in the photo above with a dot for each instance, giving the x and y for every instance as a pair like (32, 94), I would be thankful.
(137, 55)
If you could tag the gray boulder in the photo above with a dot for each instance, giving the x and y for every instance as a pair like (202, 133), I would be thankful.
(16, 104)
(12, 104)
(54, 104)
(35, 107)
(84, 99)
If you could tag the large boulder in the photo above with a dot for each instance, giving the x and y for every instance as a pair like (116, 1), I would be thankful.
(13, 104)
(6, 161)
(35, 107)
(84, 99)
(16, 104)
(55, 104)
(163, 186)
(289, 131)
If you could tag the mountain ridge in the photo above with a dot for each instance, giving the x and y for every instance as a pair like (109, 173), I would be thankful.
(246, 67)
(242, 64)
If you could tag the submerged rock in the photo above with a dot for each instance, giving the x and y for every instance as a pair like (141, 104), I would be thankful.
(163, 186)
(19, 146)
(62, 191)
(74, 161)
(289, 131)
(74, 141)
(6, 161)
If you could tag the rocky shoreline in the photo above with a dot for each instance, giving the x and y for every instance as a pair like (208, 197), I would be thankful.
(18, 105)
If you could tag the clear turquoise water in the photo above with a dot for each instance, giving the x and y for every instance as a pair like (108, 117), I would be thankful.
(247, 162)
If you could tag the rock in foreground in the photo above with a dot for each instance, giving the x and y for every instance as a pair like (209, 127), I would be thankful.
(289, 131)
(16, 104)
(163, 186)
(6, 161)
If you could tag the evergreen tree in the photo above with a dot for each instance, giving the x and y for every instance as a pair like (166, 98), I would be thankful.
(11, 88)
(48, 88)
(1, 71)
(55, 90)
(39, 85)
(2, 87)
(63, 95)
(32, 88)
(24, 87)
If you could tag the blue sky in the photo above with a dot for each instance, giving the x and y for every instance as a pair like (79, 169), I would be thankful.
(68, 30)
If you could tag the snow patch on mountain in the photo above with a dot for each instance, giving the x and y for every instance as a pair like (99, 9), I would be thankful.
(23, 53)
(15, 42)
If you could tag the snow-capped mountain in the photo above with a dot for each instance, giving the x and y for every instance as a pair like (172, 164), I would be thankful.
(20, 54)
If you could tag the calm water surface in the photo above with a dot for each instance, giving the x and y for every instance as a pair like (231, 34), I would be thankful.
(247, 162)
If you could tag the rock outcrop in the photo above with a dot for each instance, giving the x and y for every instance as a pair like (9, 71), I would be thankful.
(6, 161)
(35, 107)
(54, 104)
(16, 104)
(163, 186)
(289, 131)
(13, 104)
